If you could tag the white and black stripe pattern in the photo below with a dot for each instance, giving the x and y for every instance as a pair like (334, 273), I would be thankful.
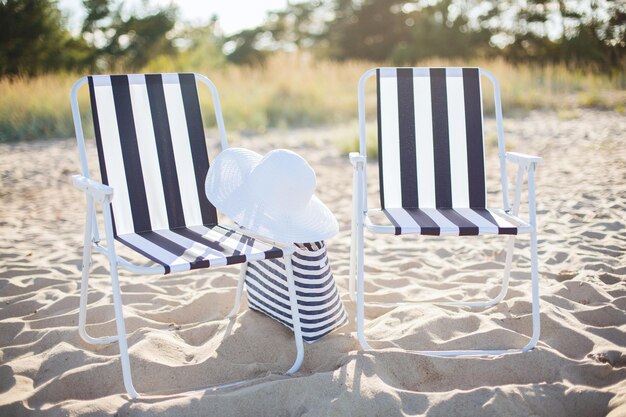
(319, 305)
(461, 221)
(431, 153)
(152, 151)
(194, 247)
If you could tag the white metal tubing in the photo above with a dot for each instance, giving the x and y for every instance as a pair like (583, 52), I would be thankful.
(507, 269)
(358, 212)
(360, 285)
(352, 273)
(97, 190)
(78, 126)
(217, 108)
(355, 214)
(360, 296)
(456, 353)
(360, 216)
(117, 303)
(80, 139)
(91, 224)
(450, 353)
(518, 190)
(509, 252)
(505, 283)
(123, 263)
(94, 228)
(535, 294)
(362, 136)
(522, 158)
(84, 284)
(240, 282)
(363, 133)
(533, 259)
(85, 272)
(295, 316)
(536, 323)
(362, 191)
(378, 228)
(500, 130)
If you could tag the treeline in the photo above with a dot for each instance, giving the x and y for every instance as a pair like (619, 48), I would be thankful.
(589, 34)
(35, 39)
(579, 33)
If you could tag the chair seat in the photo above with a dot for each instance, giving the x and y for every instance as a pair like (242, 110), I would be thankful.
(195, 247)
(445, 221)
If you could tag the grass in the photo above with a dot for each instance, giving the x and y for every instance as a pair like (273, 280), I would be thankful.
(295, 91)
(351, 142)
(36, 108)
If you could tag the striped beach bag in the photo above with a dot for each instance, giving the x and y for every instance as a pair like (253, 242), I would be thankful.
(321, 309)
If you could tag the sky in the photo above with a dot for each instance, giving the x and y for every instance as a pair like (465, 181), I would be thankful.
(234, 15)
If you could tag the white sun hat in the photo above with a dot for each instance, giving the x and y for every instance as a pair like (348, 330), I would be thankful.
(272, 195)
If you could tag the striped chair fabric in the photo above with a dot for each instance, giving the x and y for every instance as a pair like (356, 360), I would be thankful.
(431, 154)
(152, 151)
(320, 307)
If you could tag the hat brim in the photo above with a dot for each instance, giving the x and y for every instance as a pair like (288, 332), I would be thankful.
(228, 172)
(228, 188)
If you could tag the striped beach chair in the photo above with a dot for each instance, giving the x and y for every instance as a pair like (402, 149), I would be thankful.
(153, 161)
(432, 174)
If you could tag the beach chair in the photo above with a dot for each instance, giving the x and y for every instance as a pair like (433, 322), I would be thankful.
(153, 161)
(432, 175)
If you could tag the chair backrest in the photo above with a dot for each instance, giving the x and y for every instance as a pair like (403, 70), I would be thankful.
(152, 150)
(430, 138)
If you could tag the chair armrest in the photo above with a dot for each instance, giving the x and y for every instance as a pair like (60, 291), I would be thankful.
(522, 159)
(356, 158)
(98, 191)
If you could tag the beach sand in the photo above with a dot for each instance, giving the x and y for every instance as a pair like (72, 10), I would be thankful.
(180, 343)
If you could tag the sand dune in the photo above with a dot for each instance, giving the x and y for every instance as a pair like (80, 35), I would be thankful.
(180, 344)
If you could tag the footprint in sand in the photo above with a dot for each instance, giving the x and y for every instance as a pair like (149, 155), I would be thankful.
(612, 357)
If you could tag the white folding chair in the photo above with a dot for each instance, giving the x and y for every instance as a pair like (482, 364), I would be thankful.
(432, 175)
(153, 161)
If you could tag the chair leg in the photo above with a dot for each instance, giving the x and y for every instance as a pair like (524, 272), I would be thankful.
(452, 353)
(360, 290)
(505, 283)
(352, 274)
(117, 304)
(82, 312)
(121, 332)
(242, 279)
(84, 282)
(534, 262)
(534, 265)
(353, 237)
(295, 317)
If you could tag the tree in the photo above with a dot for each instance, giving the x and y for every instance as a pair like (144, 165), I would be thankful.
(442, 30)
(199, 49)
(591, 32)
(126, 42)
(582, 33)
(370, 29)
(298, 26)
(404, 32)
(34, 39)
(243, 47)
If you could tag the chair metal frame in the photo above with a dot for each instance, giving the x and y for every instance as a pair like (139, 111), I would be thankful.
(360, 220)
(98, 193)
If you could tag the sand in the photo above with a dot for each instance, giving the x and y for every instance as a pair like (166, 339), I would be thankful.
(181, 345)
